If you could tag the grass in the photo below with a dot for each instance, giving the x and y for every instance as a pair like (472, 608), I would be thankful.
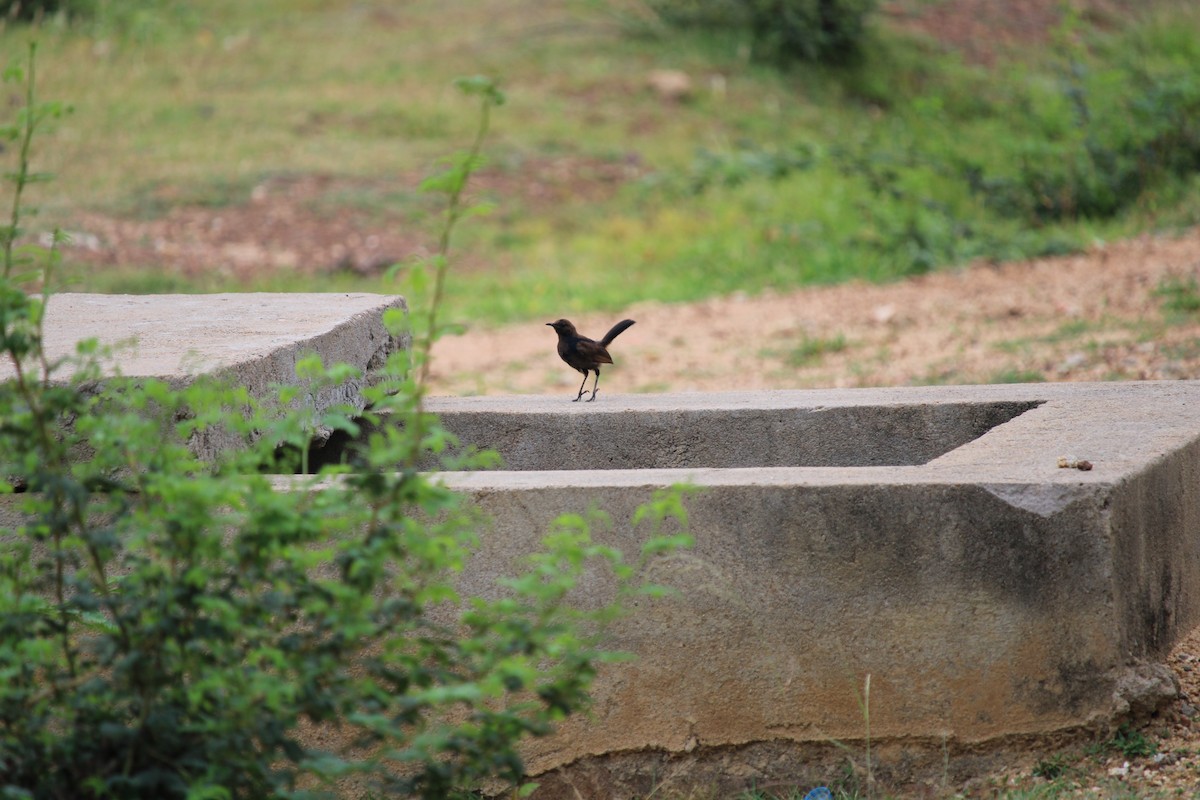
(1014, 375)
(1132, 743)
(808, 350)
(1180, 297)
(905, 163)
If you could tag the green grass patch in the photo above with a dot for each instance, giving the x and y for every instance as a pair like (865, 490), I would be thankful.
(903, 162)
(1069, 331)
(1180, 297)
(1014, 375)
(1132, 743)
(810, 350)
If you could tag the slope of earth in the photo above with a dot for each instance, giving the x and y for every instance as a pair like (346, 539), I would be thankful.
(1128, 310)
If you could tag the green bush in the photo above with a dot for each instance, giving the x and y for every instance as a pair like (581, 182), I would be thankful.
(30, 10)
(138, 18)
(169, 627)
(817, 31)
(781, 31)
(1094, 179)
(1122, 145)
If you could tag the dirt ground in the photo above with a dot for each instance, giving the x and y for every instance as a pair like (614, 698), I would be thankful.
(1116, 312)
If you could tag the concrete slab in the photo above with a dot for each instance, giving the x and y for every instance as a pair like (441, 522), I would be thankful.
(988, 591)
(253, 339)
(253, 334)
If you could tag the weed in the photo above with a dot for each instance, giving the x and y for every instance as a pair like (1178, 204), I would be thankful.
(1068, 331)
(812, 349)
(1132, 743)
(864, 704)
(1050, 768)
(1014, 375)
(1179, 296)
(747, 162)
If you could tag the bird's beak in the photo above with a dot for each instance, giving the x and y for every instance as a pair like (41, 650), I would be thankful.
(551, 324)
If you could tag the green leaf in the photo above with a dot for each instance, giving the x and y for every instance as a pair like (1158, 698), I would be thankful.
(450, 181)
(481, 86)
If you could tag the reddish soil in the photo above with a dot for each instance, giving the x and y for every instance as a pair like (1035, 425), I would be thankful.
(318, 224)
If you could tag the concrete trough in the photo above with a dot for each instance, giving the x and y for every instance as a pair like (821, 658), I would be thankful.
(928, 537)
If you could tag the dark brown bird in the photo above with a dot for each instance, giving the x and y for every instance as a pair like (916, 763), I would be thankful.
(584, 354)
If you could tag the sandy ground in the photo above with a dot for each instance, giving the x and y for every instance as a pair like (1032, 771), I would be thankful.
(1106, 314)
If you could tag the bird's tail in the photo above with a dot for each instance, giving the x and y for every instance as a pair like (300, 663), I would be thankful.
(616, 331)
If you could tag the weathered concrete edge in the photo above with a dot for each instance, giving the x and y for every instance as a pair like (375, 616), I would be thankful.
(1118, 427)
(347, 332)
(1141, 438)
(360, 340)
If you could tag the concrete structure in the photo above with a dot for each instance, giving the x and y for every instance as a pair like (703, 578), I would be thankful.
(927, 537)
(253, 339)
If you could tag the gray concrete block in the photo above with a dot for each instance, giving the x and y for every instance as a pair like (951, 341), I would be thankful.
(937, 546)
(253, 340)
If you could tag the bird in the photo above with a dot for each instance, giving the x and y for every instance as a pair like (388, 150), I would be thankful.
(584, 354)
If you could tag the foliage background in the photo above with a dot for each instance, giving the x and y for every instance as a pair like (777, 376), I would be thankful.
(172, 627)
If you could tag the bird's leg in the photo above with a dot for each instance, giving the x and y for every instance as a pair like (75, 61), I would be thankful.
(581, 387)
(595, 386)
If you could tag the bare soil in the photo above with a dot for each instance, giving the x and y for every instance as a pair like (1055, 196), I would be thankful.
(1105, 314)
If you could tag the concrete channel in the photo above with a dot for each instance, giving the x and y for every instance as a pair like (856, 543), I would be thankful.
(942, 540)
(1002, 561)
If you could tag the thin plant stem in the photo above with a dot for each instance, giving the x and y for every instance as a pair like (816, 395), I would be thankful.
(454, 213)
(866, 712)
(21, 176)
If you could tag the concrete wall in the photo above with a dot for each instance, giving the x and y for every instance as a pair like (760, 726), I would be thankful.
(988, 592)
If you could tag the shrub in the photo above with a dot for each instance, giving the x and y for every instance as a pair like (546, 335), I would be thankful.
(781, 31)
(1120, 147)
(30, 10)
(137, 17)
(169, 627)
(817, 31)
